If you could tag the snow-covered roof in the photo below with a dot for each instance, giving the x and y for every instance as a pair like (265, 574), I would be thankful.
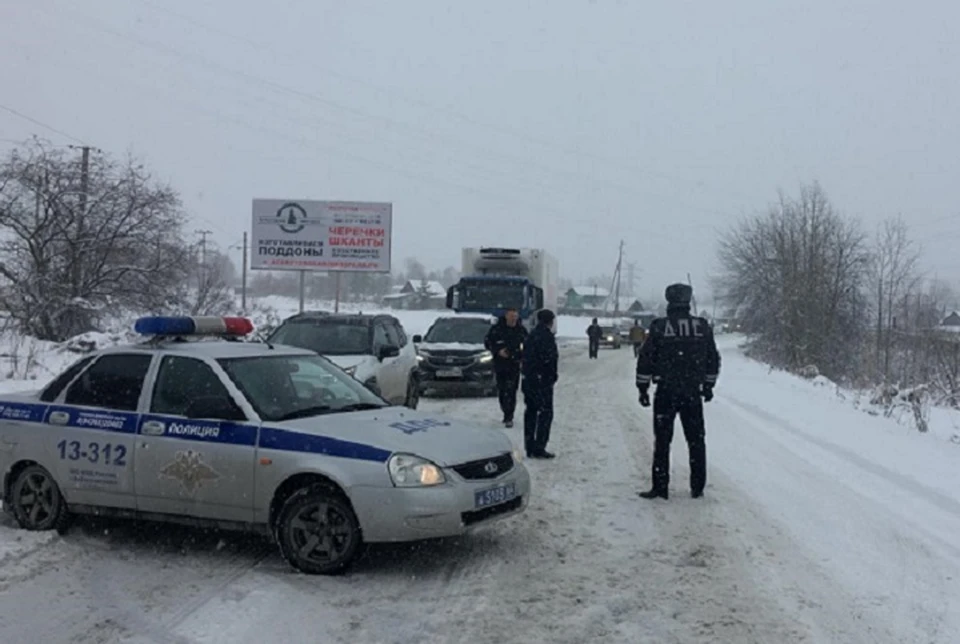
(590, 291)
(433, 288)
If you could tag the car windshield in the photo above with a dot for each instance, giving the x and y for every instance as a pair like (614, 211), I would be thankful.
(493, 295)
(462, 331)
(326, 337)
(284, 387)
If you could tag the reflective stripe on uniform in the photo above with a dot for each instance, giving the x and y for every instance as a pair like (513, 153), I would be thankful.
(643, 379)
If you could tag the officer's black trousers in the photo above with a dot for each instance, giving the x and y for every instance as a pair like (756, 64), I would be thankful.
(594, 347)
(667, 404)
(508, 381)
(538, 416)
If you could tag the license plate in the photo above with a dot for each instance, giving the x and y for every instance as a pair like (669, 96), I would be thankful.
(453, 372)
(495, 496)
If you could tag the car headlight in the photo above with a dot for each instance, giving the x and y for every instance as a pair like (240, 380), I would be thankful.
(517, 456)
(609, 338)
(485, 357)
(351, 370)
(407, 470)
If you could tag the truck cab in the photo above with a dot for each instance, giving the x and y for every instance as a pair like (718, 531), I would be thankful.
(497, 279)
(494, 294)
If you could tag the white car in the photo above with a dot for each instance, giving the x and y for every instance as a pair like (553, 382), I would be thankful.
(247, 436)
(374, 349)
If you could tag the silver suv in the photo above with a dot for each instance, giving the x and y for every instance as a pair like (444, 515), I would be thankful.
(374, 349)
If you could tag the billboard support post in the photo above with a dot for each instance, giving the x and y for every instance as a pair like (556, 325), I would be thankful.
(302, 288)
(336, 302)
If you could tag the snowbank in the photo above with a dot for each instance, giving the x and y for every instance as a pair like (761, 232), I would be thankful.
(778, 392)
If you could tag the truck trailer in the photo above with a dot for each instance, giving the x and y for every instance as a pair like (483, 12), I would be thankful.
(496, 279)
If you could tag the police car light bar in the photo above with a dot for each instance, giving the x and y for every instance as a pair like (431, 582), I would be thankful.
(160, 325)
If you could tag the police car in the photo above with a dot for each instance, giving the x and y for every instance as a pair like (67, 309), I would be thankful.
(193, 425)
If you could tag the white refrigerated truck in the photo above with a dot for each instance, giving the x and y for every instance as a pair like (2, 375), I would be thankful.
(495, 279)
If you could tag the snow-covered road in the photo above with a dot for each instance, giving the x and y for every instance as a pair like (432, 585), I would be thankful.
(839, 532)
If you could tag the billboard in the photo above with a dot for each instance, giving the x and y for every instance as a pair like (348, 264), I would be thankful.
(302, 235)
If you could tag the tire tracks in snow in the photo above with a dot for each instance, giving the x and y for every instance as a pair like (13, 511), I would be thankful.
(848, 566)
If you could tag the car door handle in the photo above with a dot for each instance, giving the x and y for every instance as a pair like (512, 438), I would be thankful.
(58, 418)
(153, 428)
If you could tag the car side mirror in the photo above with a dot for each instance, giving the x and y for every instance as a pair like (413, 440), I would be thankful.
(388, 351)
(417, 339)
(214, 407)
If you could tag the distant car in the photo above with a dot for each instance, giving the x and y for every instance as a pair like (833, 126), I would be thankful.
(374, 349)
(247, 436)
(611, 337)
(452, 356)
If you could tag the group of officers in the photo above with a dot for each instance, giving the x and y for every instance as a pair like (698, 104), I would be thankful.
(678, 354)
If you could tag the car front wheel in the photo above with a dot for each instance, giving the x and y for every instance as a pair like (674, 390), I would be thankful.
(36, 501)
(317, 530)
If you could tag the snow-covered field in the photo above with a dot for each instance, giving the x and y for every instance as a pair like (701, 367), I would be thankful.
(821, 524)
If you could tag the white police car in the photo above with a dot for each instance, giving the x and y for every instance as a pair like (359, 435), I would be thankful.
(190, 425)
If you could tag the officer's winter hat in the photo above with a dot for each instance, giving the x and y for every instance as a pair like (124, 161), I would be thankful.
(545, 317)
(679, 295)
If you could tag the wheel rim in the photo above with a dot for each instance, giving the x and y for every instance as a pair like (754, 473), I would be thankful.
(321, 533)
(38, 499)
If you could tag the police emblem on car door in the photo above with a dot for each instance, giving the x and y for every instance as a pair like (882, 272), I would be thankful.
(195, 454)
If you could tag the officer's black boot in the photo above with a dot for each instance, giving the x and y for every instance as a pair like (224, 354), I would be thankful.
(655, 493)
(696, 493)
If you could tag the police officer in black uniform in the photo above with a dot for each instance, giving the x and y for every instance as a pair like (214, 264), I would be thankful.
(505, 341)
(539, 377)
(681, 357)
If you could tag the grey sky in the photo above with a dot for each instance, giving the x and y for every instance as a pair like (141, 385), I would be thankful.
(565, 125)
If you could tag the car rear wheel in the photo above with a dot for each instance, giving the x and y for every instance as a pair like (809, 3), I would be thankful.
(317, 531)
(36, 501)
(413, 392)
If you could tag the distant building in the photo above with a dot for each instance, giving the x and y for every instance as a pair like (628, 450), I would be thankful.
(417, 295)
(586, 298)
(627, 305)
(951, 322)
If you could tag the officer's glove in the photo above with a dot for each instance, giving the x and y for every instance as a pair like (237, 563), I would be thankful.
(707, 393)
(644, 396)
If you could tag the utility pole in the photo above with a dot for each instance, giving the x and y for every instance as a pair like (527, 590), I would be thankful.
(203, 260)
(693, 299)
(80, 244)
(243, 278)
(631, 270)
(617, 273)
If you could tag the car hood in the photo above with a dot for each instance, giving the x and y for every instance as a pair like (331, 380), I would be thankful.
(345, 362)
(443, 440)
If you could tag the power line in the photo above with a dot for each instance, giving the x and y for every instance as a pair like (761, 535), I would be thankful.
(403, 169)
(40, 123)
(509, 131)
(197, 60)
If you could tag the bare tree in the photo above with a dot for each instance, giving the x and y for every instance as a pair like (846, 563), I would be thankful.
(796, 274)
(893, 273)
(80, 244)
(208, 285)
